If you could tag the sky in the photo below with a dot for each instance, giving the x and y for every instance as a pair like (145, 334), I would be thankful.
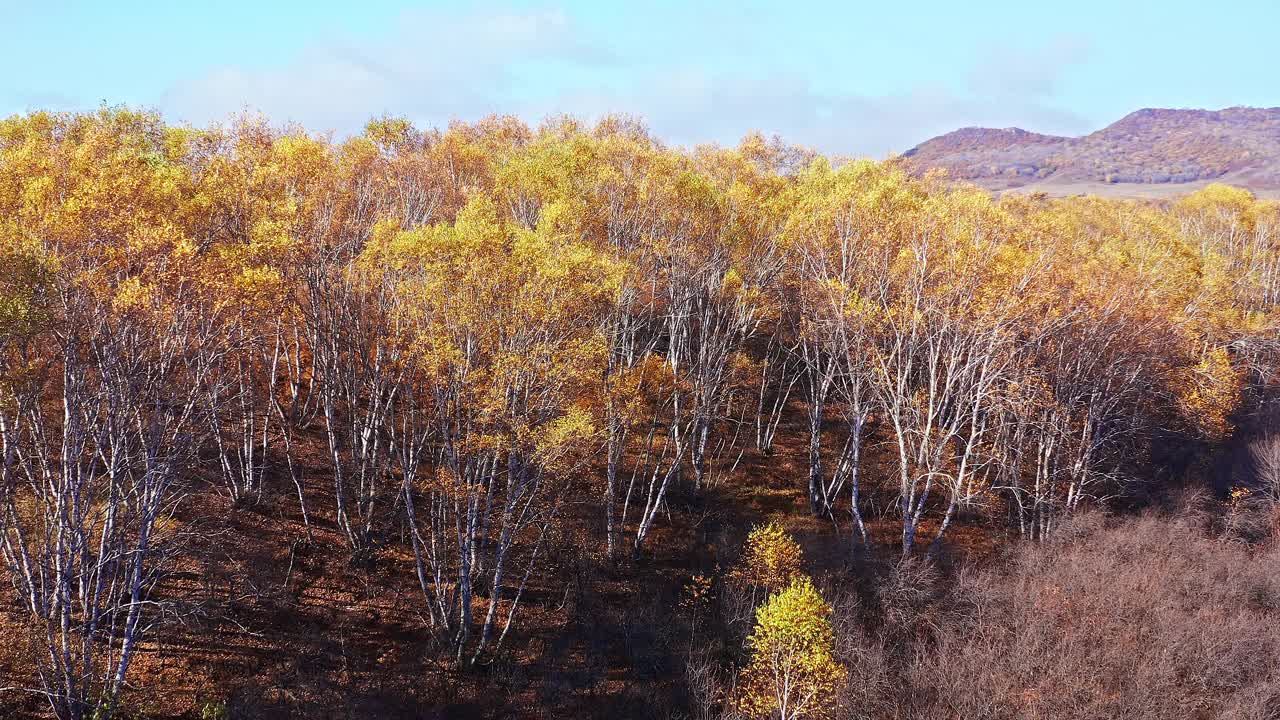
(847, 77)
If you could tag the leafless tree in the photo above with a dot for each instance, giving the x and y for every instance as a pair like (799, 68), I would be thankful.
(97, 449)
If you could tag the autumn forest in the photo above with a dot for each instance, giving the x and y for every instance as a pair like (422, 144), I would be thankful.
(562, 421)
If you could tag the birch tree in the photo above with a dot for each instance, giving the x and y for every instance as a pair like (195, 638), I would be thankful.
(504, 328)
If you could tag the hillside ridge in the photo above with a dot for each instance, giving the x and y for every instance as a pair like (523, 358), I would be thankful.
(1145, 152)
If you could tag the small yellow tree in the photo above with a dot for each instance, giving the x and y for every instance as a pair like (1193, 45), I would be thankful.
(771, 559)
(792, 673)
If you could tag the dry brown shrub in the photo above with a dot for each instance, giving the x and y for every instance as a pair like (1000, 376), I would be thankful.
(1150, 618)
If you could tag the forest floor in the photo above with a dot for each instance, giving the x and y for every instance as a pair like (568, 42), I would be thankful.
(276, 626)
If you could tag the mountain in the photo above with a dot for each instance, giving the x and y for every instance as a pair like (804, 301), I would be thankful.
(1148, 152)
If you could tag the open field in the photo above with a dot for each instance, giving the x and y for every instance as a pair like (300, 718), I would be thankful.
(1125, 191)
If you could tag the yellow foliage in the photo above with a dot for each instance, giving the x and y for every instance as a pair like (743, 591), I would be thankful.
(502, 313)
(771, 559)
(793, 673)
(1210, 393)
(697, 593)
(131, 294)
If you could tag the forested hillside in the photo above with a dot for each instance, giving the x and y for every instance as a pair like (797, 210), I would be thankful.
(1147, 149)
(500, 421)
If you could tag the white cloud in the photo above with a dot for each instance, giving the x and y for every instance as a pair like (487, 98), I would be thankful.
(436, 67)
(687, 107)
(433, 67)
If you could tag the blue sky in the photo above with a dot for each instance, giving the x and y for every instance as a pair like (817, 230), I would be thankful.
(846, 77)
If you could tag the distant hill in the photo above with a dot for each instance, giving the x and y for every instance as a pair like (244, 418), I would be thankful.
(1148, 152)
